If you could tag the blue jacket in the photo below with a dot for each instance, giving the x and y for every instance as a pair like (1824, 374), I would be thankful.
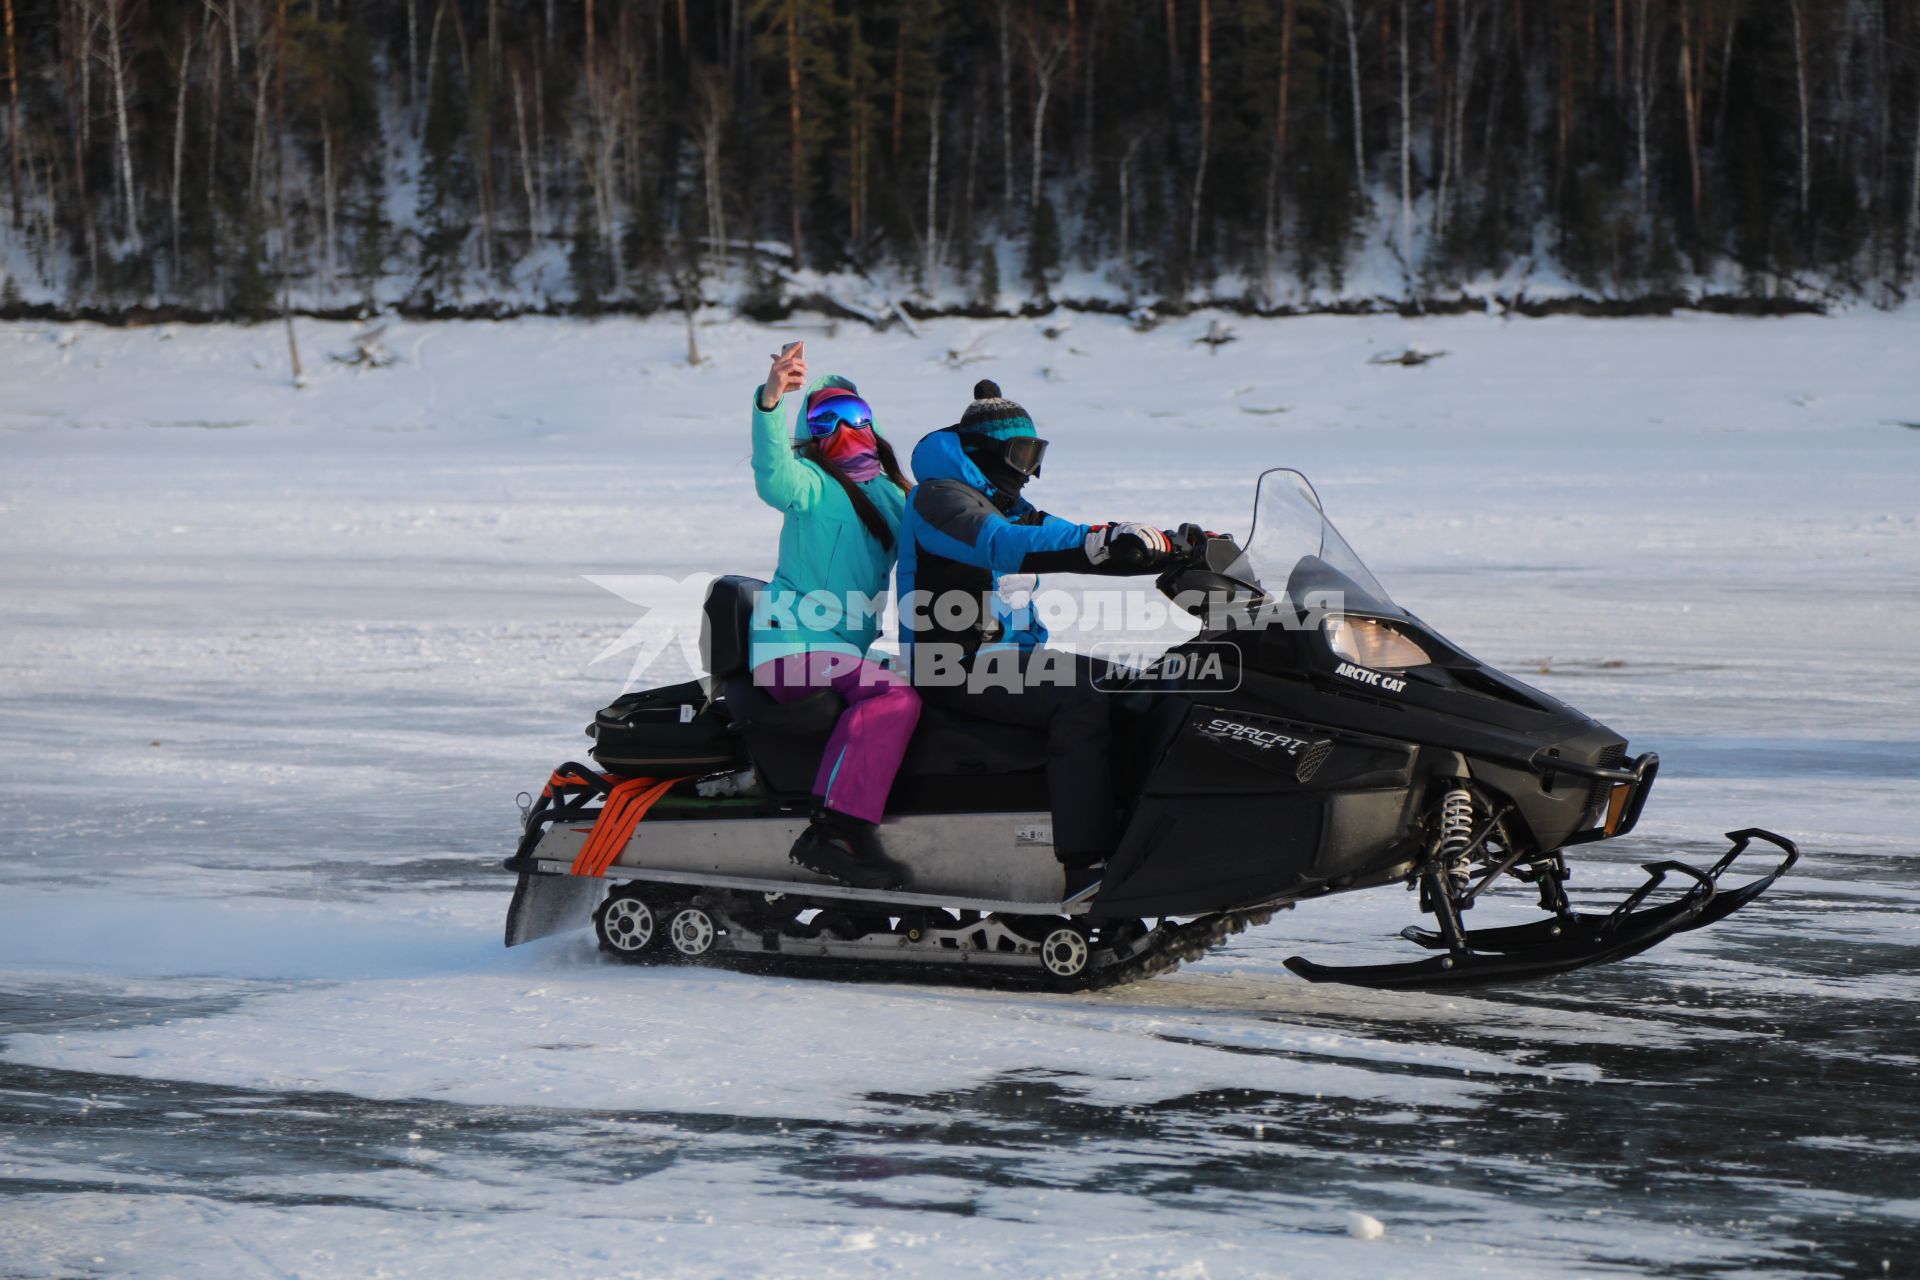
(960, 536)
(826, 555)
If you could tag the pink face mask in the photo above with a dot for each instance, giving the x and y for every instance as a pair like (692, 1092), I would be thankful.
(855, 451)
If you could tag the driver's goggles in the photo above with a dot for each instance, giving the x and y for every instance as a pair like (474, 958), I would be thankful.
(1023, 454)
(829, 416)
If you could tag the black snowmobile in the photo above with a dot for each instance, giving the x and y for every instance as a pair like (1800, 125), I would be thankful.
(1314, 738)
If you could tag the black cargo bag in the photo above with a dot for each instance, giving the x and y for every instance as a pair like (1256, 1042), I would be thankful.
(665, 732)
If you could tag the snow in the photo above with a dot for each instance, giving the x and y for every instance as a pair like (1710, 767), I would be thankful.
(274, 662)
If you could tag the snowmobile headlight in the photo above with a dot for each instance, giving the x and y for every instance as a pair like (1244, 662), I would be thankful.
(1367, 643)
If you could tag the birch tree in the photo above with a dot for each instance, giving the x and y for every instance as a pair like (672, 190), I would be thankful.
(1206, 132)
(1046, 48)
(1353, 81)
(1801, 97)
(116, 30)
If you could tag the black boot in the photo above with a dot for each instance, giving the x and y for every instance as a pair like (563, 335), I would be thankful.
(848, 850)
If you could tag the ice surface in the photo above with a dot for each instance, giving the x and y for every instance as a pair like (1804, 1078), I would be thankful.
(273, 664)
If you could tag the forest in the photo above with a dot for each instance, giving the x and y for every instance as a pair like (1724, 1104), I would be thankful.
(241, 157)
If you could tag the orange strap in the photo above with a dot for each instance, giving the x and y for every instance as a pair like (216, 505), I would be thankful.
(567, 780)
(625, 805)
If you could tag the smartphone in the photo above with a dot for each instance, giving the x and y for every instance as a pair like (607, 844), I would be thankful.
(790, 346)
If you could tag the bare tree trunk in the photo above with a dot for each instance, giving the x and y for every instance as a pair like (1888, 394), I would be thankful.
(1800, 89)
(1046, 64)
(413, 61)
(1532, 91)
(1619, 47)
(733, 44)
(1126, 208)
(1206, 134)
(715, 109)
(44, 207)
(1642, 103)
(280, 187)
(1353, 79)
(856, 147)
(180, 143)
(88, 21)
(600, 142)
(899, 88)
(117, 69)
(1913, 196)
(793, 119)
(1466, 62)
(1726, 75)
(931, 262)
(213, 97)
(1277, 161)
(1006, 116)
(481, 137)
(1406, 144)
(328, 266)
(13, 117)
(1175, 81)
(1437, 149)
(258, 152)
(1564, 119)
(967, 205)
(1689, 89)
(76, 56)
(1087, 78)
(540, 147)
(535, 226)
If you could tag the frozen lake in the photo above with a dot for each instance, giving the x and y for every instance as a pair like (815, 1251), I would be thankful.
(274, 663)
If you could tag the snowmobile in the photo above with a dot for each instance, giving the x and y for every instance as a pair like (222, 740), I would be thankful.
(1314, 738)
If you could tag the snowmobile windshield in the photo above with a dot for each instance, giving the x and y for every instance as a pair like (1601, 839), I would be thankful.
(1293, 545)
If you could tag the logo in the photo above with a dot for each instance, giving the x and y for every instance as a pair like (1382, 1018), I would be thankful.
(1198, 666)
(1222, 729)
(1032, 837)
(1390, 684)
(1272, 744)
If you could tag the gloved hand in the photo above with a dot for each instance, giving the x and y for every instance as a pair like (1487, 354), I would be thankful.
(1128, 545)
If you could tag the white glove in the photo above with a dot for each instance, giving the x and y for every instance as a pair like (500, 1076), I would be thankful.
(1126, 543)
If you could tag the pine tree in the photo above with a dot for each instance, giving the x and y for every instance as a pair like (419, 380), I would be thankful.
(587, 266)
(1043, 250)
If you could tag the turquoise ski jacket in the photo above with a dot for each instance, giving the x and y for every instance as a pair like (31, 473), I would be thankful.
(827, 557)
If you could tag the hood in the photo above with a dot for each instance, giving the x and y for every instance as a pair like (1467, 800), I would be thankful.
(939, 456)
(800, 410)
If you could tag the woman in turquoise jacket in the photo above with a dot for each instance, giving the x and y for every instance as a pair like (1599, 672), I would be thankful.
(836, 481)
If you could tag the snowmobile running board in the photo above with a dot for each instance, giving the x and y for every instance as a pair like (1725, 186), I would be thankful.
(797, 889)
(1570, 940)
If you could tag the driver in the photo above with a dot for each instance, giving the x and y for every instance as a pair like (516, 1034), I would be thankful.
(969, 536)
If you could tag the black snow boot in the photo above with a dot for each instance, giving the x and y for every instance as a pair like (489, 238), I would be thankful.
(848, 850)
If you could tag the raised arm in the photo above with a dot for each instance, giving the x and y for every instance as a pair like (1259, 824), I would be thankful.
(783, 481)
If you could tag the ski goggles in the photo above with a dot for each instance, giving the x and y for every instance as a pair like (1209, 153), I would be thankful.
(1023, 454)
(829, 416)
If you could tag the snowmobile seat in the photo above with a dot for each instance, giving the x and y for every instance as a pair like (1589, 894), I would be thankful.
(726, 644)
(945, 743)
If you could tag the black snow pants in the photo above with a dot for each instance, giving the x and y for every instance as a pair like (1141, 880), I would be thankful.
(1052, 691)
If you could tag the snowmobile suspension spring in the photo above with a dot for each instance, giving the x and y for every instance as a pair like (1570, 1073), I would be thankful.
(1456, 832)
